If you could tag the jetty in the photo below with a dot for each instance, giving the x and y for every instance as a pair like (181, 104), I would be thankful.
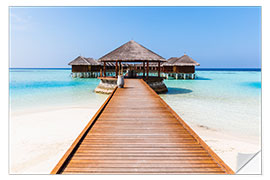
(136, 132)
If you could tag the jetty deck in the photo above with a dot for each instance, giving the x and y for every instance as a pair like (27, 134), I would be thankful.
(136, 132)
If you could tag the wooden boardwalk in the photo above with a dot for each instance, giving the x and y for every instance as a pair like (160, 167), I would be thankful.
(136, 132)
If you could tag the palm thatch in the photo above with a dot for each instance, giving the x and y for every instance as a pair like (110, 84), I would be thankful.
(84, 61)
(182, 61)
(131, 52)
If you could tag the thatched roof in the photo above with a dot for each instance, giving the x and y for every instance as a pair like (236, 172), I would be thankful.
(131, 52)
(182, 61)
(84, 61)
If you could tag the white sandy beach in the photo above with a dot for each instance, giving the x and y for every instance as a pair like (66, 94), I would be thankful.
(39, 139)
(227, 146)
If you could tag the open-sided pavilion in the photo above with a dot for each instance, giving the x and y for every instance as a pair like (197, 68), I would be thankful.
(132, 52)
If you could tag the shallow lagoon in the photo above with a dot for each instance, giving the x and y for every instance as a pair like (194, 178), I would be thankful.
(221, 100)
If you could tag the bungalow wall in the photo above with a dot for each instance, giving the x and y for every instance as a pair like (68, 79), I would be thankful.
(179, 69)
(151, 68)
(110, 68)
(85, 68)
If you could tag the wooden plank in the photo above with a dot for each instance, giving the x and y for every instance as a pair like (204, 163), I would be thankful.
(148, 136)
(113, 158)
(143, 165)
(147, 161)
(142, 169)
(99, 152)
(142, 141)
(163, 149)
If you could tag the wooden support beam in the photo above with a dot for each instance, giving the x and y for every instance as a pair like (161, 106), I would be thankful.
(104, 69)
(120, 67)
(147, 70)
(143, 69)
(158, 68)
(100, 74)
(116, 69)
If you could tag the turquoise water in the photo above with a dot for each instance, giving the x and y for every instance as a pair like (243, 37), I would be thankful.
(222, 100)
(37, 88)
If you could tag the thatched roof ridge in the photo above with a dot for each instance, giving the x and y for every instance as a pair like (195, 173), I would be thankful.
(184, 60)
(80, 60)
(131, 52)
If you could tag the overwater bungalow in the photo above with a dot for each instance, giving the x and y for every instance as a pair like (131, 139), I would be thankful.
(132, 53)
(85, 67)
(180, 67)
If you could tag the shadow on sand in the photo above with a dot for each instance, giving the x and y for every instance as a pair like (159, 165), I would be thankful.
(178, 91)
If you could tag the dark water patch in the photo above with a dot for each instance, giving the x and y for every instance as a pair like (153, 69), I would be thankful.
(256, 85)
(178, 91)
(201, 78)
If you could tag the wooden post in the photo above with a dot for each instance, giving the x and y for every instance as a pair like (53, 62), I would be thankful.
(147, 70)
(100, 72)
(116, 69)
(158, 68)
(143, 69)
(120, 67)
(104, 69)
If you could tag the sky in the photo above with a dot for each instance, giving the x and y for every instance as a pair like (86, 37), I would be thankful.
(216, 37)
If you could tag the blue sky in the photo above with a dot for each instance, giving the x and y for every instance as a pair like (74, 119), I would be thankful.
(222, 37)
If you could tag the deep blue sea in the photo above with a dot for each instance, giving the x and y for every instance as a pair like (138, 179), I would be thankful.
(228, 99)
